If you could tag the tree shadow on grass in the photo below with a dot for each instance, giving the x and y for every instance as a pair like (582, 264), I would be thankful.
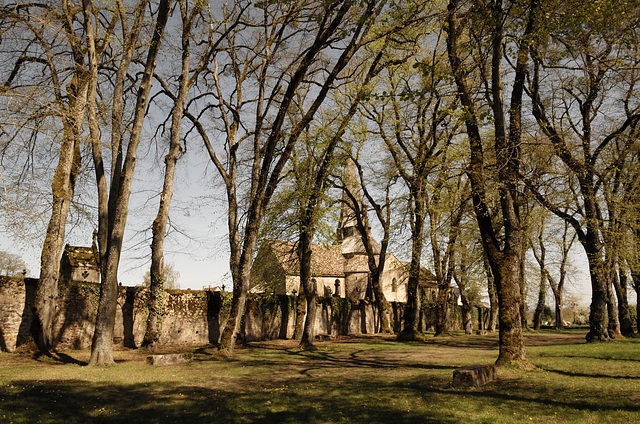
(355, 359)
(528, 397)
(60, 357)
(589, 375)
(81, 402)
(348, 400)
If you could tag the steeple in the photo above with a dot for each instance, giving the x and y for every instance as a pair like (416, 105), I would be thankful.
(348, 232)
(348, 222)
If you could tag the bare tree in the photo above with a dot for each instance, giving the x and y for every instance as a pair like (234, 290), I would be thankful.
(410, 116)
(49, 58)
(265, 92)
(11, 265)
(188, 76)
(114, 208)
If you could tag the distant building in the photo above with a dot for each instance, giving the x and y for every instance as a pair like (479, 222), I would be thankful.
(79, 264)
(339, 269)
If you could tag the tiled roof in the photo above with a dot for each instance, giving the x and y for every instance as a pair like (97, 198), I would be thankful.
(328, 260)
(80, 256)
(325, 259)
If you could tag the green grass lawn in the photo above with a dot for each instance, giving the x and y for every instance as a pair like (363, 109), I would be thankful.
(358, 380)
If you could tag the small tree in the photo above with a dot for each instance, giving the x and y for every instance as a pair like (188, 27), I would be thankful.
(12, 265)
(169, 277)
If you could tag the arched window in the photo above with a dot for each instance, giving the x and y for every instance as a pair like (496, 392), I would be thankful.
(394, 285)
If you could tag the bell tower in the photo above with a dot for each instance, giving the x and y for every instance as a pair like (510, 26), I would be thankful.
(348, 233)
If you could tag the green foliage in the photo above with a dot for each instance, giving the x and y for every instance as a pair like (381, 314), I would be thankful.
(267, 304)
(85, 290)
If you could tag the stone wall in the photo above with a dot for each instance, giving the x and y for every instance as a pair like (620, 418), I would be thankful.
(16, 298)
(192, 317)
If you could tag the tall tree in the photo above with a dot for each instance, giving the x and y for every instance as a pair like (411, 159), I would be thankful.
(113, 211)
(556, 280)
(410, 116)
(484, 36)
(468, 273)
(50, 59)
(191, 24)
(265, 93)
(584, 65)
(310, 204)
(376, 255)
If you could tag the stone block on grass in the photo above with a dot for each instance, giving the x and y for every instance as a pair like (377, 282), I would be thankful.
(474, 375)
(168, 359)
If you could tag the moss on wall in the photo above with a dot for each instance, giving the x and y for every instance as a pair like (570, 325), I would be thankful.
(191, 317)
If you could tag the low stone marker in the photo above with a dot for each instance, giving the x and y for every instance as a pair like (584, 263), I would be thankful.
(474, 375)
(168, 359)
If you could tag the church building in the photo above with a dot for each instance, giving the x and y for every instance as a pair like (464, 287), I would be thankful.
(337, 269)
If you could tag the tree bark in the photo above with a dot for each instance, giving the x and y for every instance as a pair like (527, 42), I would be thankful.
(101, 346)
(626, 324)
(504, 261)
(62, 186)
(542, 294)
(493, 297)
(159, 227)
(412, 308)
(598, 330)
(301, 311)
(309, 287)
(635, 276)
(467, 319)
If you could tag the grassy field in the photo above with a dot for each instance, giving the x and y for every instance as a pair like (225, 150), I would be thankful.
(358, 380)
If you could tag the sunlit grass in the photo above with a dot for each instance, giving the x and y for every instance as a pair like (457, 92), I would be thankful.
(370, 380)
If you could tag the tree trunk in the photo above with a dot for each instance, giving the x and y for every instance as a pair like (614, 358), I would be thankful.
(626, 324)
(612, 312)
(481, 327)
(62, 187)
(412, 308)
(559, 314)
(384, 307)
(238, 304)
(159, 227)
(101, 344)
(542, 294)
(101, 347)
(442, 309)
(309, 287)
(467, 319)
(301, 311)
(493, 297)
(45, 305)
(523, 290)
(635, 277)
(598, 330)
(511, 343)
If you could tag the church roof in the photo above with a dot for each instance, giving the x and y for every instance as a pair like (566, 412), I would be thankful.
(326, 259)
(80, 256)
